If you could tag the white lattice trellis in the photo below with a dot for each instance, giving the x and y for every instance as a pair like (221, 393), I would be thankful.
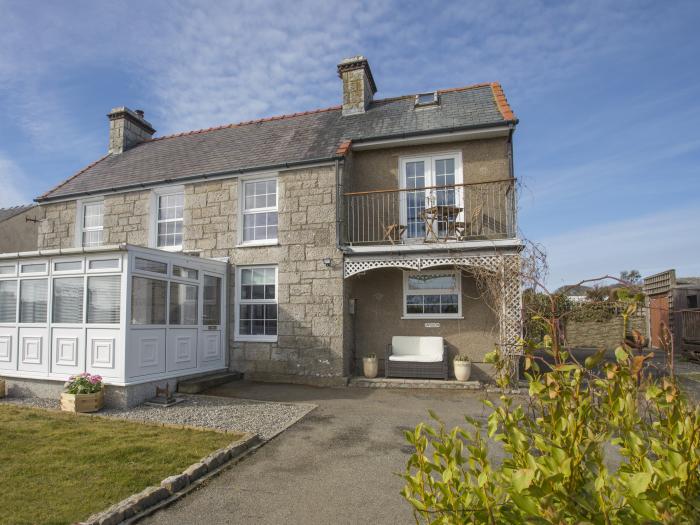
(504, 267)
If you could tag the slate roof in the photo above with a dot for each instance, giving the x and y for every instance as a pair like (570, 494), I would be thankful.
(276, 142)
(8, 213)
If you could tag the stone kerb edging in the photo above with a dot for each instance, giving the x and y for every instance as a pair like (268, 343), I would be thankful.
(174, 487)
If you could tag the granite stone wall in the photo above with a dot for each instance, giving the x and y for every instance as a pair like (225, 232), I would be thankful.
(126, 218)
(601, 334)
(309, 347)
(58, 230)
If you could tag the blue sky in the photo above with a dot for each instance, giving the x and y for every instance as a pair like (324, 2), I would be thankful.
(607, 149)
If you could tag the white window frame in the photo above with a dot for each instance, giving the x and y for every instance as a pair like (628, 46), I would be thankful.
(79, 271)
(80, 220)
(156, 194)
(242, 209)
(238, 302)
(436, 291)
(430, 176)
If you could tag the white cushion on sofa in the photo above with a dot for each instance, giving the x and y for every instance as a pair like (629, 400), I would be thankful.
(416, 348)
(415, 358)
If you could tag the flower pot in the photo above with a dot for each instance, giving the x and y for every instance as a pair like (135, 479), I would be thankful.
(463, 369)
(370, 366)
(82, 402)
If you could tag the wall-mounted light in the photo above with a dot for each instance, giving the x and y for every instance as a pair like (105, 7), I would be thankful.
(328, 262)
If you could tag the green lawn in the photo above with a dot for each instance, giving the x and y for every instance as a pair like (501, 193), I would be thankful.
(60, 468)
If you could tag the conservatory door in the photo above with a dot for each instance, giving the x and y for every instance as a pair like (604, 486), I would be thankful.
(211, 343)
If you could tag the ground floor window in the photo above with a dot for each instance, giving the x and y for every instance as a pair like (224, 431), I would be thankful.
(257, 303)
(432, 294)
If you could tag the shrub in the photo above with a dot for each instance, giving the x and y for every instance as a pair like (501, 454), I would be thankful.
(560, 451)
(84, 384)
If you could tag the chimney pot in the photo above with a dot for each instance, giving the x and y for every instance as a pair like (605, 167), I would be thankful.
(127, 128)
(358, 84)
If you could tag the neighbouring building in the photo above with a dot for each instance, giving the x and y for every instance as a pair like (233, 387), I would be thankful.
(19, 228)
(673, 302)
(339, 228)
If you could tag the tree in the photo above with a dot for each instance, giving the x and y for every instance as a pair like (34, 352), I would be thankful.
(631, 276)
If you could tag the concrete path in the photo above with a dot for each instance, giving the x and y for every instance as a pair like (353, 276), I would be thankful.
(337, 465)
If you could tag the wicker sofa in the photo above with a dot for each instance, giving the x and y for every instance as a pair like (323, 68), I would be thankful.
(417, 357)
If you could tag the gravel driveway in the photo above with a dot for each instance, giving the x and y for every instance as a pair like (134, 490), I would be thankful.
(336, 465)
(240, 415)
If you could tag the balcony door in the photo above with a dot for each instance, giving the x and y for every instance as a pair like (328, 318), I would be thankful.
(431, 196)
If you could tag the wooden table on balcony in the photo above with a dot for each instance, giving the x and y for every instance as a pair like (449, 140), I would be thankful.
(447, 214)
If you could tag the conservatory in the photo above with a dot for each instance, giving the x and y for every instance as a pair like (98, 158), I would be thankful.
(130, 314)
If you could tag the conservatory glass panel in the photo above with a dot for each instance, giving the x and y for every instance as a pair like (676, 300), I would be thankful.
(104, 299)
(212, 301)
(183, 304)
(148, 301)
(68, 300)
(33, 300)
(8, 301)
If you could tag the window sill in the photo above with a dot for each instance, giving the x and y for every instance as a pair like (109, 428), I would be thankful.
(250, 244)
(254, 339)
(169, 248)
(431, 317)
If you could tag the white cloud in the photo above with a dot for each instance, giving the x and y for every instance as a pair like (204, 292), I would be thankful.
(13, 183)
(649, 242)
(222, 62)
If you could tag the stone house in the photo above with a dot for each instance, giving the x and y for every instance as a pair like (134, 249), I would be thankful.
(341, 227)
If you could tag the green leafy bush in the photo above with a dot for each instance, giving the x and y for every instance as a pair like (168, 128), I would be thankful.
(619, 448)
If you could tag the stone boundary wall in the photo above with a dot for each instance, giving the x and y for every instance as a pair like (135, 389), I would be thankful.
(601, 334)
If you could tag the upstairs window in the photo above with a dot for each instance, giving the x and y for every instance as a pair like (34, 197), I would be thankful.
(169, 220)
(91, 220)
(260, 211)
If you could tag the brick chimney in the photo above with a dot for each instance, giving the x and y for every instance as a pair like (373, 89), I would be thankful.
(358, 84)
(126, 129)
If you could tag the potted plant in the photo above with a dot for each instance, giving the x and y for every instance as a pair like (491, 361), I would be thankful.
(2, 388)
(370, 365)
(463, 367)
(83, 393)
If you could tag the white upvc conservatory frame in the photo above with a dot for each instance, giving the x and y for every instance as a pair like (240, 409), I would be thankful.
(124, 354)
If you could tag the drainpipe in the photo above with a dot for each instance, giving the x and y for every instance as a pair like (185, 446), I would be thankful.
(338, 202)
(511, 168)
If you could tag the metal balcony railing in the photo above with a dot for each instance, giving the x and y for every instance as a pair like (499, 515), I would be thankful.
(458, 212)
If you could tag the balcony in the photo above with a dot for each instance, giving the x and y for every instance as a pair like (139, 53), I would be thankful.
(434, 214)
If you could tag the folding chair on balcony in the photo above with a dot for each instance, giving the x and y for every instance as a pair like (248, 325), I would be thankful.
(393, 232)
(474, 227)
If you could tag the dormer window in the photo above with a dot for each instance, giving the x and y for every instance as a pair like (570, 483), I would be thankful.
(426, 99)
